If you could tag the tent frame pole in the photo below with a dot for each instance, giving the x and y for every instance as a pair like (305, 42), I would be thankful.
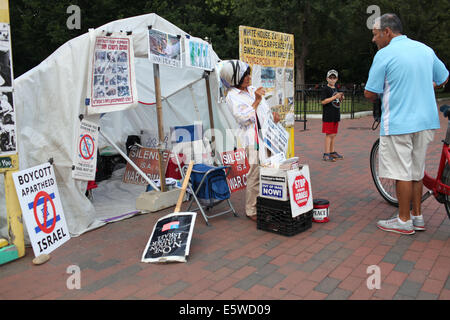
(182, 88)
(210, 110)
(130, 161)
(175, 92)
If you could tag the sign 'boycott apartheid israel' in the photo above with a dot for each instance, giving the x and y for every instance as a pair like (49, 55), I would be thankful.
(41, 208)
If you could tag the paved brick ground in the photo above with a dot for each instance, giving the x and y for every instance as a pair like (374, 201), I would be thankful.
(231, 259)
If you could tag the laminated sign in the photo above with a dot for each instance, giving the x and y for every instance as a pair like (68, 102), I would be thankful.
(300, 193)
(273, 184)
(171, 238)
(164, 48)
(41, 208)
(275, 137)
(85, 159)
(198, 53)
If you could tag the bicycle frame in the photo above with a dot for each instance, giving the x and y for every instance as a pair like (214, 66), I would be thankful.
(436, 185)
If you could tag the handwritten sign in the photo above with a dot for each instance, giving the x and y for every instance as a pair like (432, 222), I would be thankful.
(147, 160)
(237, 178)
(266, 48)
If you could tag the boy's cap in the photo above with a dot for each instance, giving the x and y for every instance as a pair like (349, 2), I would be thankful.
(329, 73)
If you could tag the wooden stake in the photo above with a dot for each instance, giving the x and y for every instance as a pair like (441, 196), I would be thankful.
(156, 77)
(210, 110)
(184, 186)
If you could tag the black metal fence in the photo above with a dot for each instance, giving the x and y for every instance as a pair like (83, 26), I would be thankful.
(307, 100)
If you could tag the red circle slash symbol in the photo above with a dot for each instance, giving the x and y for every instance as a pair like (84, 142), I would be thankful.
(86, 147)
(46, 197)
(300, 190)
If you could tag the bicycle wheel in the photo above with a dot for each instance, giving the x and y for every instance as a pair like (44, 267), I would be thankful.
(386, 187)
(446, 180)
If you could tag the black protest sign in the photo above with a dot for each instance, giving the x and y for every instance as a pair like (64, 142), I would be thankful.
(171, 238)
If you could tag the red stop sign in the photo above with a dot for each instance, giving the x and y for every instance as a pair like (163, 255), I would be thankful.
(300, 190)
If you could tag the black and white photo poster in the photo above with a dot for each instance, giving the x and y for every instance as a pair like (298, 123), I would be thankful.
(6, 75)
(8, 144)
(112, 77)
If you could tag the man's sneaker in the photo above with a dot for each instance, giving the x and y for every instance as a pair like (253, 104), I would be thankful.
(336, 156)
(328, 157)
(418, 223)
(394, 225)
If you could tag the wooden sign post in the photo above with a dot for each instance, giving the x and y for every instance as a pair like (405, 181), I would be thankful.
(156, 78)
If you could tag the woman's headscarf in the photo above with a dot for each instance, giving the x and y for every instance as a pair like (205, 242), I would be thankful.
(232, 72)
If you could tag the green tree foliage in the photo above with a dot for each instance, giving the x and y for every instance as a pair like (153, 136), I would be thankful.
(328, 33)
(39, 26)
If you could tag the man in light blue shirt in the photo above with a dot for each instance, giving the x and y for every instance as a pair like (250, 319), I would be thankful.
(403, 75)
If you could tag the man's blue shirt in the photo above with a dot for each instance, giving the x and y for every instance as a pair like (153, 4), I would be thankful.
(403, 73)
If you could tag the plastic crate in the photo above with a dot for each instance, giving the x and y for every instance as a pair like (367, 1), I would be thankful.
(275, 216)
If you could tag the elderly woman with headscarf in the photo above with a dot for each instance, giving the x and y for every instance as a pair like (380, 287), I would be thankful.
(250, 109)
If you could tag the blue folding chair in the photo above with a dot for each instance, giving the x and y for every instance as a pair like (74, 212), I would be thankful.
(208, 187)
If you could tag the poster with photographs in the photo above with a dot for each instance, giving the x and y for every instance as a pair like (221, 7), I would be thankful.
(8, 131)
(112, 77)
(268, 77)
(164, 48)
(6, 75)
(197, 53)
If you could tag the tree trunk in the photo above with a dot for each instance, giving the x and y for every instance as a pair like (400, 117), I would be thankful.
(300, 59)
(300, 56)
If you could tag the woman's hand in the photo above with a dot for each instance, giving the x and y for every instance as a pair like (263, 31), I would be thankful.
(259, 94)
(276, 117)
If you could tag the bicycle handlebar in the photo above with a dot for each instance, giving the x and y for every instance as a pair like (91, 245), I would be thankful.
(445, 110)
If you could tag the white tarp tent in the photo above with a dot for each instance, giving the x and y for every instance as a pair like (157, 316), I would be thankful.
(50, 97)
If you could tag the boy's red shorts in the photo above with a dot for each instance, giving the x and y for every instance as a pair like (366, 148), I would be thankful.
(330, 127)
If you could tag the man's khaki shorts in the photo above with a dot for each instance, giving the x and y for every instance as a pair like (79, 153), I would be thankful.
(402, 157)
